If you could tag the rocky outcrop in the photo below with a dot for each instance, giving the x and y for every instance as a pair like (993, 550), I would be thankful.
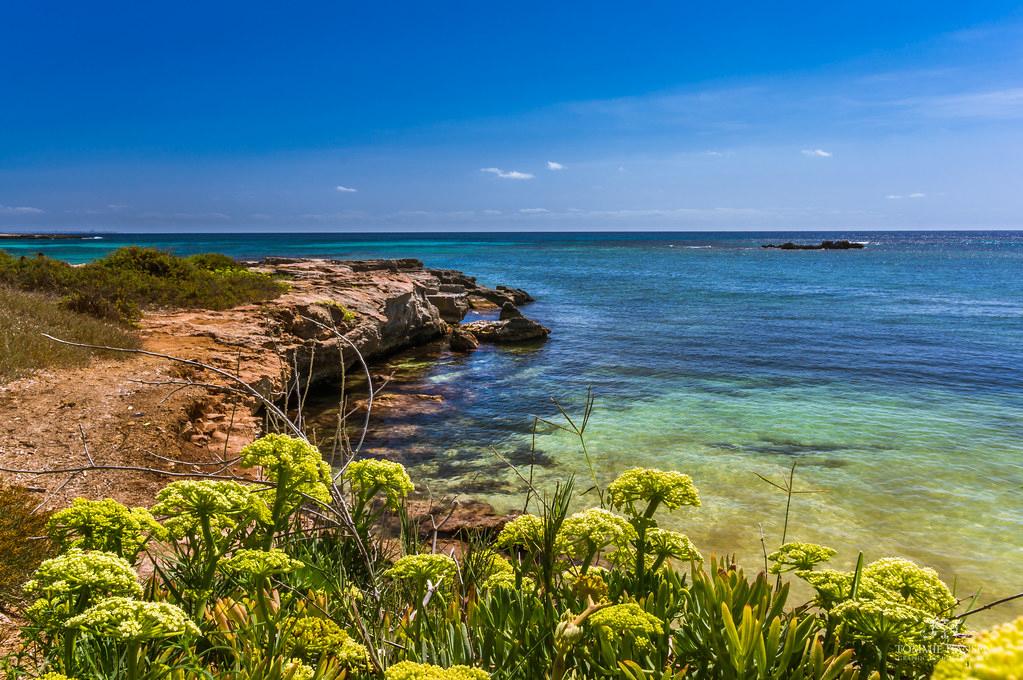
(462, 340)
(378, 306)
(452, 306)
(517, 329)
(519, 296)
(823, 245)
(509, 311)
(479, 297)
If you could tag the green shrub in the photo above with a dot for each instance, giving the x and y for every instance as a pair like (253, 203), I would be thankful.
(130, 279)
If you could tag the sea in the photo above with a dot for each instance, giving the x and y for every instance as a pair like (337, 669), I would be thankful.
(891, 378)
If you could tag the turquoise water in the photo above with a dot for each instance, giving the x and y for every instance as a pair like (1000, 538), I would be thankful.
(892, 375)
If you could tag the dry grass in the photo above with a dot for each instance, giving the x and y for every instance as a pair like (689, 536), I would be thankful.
(23, 541)
(24, 316)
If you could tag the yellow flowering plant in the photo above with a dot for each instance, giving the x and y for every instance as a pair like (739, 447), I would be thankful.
(297, 471)
(624, 623)
(371, 477)
(68, 584)
(311, 638)
(104, 525)
(641, 491)
(410, 670)
(585, 535)
(799, 556)
(993, 654)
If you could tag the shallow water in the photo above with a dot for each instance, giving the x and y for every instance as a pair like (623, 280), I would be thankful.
(892, 375)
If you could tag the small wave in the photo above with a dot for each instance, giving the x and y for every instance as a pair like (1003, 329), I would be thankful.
(697, 247)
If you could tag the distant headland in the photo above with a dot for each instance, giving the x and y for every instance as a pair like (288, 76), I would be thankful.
(11, 236)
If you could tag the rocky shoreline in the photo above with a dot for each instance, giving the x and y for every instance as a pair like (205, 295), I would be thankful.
(151, 412)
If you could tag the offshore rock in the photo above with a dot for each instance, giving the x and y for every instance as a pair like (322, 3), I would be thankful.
(515, 330)
(823, 245)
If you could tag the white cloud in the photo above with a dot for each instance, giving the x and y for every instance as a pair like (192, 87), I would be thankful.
(507, 174)
(342, 189)
(491, 211)
(19, 210)
(816, 153)
(915, 194)
(552, 165)
(533, 211)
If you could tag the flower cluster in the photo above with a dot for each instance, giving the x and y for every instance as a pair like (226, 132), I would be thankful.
(421, 568)
(664, 544)
(496, 564)
(103, 525)
(627, 621)
(369, 477)
(312, 637)
(832, 586)
(586, 533)
(908, 582)
(890, 579)
(78, 578)
(259, 564)
(294, 669)
(653, 487)
(54, 676)
(122, 618)
(883, 622)
(995, 654)
(410, 670)
(223, 503)
(799, 556)
(589, 585)
(525, 531)
(293, 464)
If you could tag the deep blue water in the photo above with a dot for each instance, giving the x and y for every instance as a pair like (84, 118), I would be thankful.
(893, 375)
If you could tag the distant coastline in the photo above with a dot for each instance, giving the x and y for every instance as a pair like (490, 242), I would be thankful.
(11, 236)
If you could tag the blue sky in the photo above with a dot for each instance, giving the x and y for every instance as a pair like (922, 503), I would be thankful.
(475, 116)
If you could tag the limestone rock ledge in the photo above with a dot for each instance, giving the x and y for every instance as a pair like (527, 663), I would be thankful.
(379, 306)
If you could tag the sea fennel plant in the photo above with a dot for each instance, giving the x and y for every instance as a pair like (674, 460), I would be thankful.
(292, 577)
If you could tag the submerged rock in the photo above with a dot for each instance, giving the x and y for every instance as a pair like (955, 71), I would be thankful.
(462, 519)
